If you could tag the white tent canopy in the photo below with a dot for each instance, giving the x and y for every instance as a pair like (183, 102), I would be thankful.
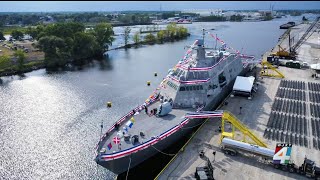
(315, 66)
(243, 84)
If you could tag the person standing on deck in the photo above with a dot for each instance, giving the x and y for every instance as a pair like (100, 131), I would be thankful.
(146, 109)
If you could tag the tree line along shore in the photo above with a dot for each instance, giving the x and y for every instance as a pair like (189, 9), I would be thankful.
(58, 45)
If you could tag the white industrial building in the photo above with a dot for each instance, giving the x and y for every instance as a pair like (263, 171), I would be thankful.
(205, 12)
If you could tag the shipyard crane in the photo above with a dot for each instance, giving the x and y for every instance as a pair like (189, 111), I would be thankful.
(268, 68)
(291, 54)
(303, 37)
(283, 53)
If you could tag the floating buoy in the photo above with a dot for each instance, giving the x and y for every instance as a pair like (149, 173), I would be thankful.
(148, 83)
(155, 74)
(109, 104)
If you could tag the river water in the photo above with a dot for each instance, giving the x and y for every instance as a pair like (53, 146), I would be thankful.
(50, 122)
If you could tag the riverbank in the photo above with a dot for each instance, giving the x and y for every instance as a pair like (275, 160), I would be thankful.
(35, 64)
(33, 58)
(148, 43)
(28, 67)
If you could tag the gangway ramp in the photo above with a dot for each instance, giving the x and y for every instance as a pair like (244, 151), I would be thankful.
(268, 68)
(236, 124)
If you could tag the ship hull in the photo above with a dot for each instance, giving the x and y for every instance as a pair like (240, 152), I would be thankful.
(121, 165)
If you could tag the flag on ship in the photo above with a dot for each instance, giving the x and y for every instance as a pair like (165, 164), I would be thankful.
(116, 140)
(125, 129)
(109, 146)
(132, 119)
(224, 46)
(129, 124)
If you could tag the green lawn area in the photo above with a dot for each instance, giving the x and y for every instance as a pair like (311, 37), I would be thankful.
(28, 65)
(33, 58)
(5, 51)
(7, 30)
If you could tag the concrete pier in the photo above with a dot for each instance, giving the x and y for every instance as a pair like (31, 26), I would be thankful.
(255, 114)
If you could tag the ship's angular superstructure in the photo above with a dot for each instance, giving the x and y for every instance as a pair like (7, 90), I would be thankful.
(200, 81)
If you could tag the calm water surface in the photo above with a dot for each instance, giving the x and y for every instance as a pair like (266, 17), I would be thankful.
(49, 123)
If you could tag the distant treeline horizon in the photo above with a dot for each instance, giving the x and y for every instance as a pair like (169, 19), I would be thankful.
(163, 11)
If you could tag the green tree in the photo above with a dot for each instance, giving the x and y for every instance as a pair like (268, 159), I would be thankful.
(166, 15)
(136, 37)
(171, 30)
(21, 58)
(55, 49)
(127, 31)
(133, 18)
(84, 47)
(64, 30)
(150, 38)
(33, 32)
(40, 29)
(181, 32)
(239, 18)
(160, 36)
(124, 18)
(16, 34)
(4, 61)
(267, 17)
(2, 36)
(103, 33)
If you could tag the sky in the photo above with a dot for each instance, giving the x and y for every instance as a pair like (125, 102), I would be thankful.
(52, 6)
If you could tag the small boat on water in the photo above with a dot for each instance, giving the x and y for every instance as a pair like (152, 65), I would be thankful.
(196, 85)
(172, 20)
(184, 21)
(159, 22)
(287, 25)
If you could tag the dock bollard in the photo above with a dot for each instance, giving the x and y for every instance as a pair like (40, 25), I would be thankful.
(109, 104)
(148, 83)
(155, 74)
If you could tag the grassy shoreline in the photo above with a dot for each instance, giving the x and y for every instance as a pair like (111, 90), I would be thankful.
(135, 45)
(28, 67)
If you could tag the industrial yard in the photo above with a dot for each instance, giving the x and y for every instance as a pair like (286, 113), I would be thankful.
(282, 110)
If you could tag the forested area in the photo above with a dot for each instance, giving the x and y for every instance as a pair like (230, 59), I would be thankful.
(69, 42)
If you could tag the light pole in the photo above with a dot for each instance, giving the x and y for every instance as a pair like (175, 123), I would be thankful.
(214, 156)
(109, 104)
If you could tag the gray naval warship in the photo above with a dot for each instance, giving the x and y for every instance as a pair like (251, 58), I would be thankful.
(198, 83)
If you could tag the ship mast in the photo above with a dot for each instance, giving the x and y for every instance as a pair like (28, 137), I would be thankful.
(203, 33)
(215, 48)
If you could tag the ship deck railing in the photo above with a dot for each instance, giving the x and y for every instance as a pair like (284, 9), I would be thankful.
(152, 99)
(150, 125)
